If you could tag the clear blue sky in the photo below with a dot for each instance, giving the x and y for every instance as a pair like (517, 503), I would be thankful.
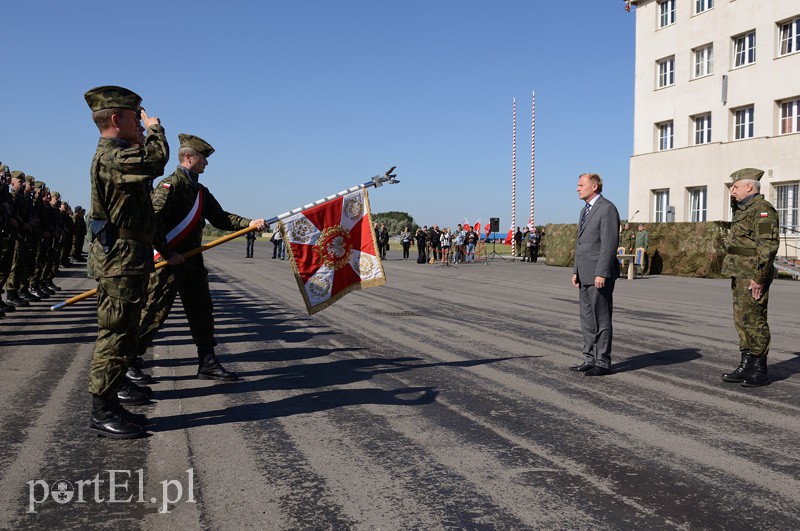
(304, 98)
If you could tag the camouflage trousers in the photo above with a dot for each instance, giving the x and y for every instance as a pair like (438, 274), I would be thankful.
(750, 317)
(190, 281)
(120, 301)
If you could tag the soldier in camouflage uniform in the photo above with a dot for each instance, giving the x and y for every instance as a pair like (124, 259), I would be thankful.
(753, 244)
(173, 200)
(121, 251)
(79, 236)
(22, 211)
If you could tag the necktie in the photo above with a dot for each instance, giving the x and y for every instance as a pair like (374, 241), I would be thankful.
(584, 215)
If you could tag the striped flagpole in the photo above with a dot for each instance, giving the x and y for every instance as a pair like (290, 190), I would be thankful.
(514, 174)
(533, 146)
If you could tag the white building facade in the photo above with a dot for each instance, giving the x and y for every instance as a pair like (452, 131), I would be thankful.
(717, 88)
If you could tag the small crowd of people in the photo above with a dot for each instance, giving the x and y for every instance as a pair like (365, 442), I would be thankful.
(39, 235)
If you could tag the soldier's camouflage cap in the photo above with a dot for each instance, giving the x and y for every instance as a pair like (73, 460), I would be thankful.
(56, 195)
(747, 173)
(112, 97)
(39, 184)
(16, 174)
(196, 143)
(5, 168)
(30, 179)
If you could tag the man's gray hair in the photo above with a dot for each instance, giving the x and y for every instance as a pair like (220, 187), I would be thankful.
(756, 184)
(186, 150)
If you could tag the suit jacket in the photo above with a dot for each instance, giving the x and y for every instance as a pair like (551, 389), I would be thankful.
(596, 246)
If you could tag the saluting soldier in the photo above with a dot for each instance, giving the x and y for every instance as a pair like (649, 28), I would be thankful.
(753, 244)
(121, 251)
(182, 205)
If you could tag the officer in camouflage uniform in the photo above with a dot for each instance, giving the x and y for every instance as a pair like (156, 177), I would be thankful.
(22, 210)
(753, 244)
(173, 200)
(121, 251)
(9, 228)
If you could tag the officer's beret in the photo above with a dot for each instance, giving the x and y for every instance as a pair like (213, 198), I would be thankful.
(747, 173)
(16, 174)
(112, 97)
(56, 195)
(196, 143)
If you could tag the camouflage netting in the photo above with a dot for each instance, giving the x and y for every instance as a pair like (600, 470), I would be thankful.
(680, 249)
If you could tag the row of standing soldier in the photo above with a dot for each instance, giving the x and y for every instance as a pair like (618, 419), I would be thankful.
(39, 234)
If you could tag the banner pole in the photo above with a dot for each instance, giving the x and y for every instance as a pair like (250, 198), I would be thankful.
(376, 182)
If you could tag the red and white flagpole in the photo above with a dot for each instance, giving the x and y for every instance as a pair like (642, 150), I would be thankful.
(533, 148)
(514, 173)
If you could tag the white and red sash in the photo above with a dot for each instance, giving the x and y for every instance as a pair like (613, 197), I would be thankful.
(187, 224)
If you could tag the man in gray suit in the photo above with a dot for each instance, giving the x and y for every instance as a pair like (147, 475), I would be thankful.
(596, 269)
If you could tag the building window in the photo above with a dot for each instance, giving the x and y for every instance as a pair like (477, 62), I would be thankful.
(702, 129)
(703, 5)
(666, 13)
(665, 136)
(786, 205)
(790, 116)
(661, 205)
(704, 61)
(744, 49)
(666, 72)
(790, 36)
(697, 204)
(743, 123)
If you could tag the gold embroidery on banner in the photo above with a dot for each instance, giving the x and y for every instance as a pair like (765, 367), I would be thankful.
(319, 287)
(334, 247)
(302, 230)
(366, 266)
(354, 206)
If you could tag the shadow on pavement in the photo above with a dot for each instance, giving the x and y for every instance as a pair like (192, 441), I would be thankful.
(784, 370)
(657, 359)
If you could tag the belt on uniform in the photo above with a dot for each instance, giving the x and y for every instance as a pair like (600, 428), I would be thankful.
(139, 236)
(742, 251)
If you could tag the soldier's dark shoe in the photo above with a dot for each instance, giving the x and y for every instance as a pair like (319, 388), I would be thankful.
(758, 374)
(43, 288)
(28, 296)
(215, 371)
(738, 375)
(6, 306)
(14, 299)
(38, 293)
(115, 426)
(135, 418)
(597, 371)
(583, 367)
(135, 374)
(53, 286)
(140, 388)
(128, 395)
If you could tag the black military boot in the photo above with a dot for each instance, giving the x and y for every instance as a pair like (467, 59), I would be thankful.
(14, 299)
(107, 421)
(28, 296)
(52, 286)
(6, 307)
(136, 375)
(210, 368)
(130, 394)
(34, 290)
(42, 287)
(738, 375)
(758, 373)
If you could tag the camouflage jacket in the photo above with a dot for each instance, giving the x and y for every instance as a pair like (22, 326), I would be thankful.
(174, 197)
(121, 177)
(642, 240)
(627, 239)
(753, 241)
(80, 225)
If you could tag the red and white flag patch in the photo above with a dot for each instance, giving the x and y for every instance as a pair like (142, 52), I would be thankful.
(166, 185)
(764, 214)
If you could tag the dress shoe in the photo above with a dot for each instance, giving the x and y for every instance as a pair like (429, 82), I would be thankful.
(597, 371)
(135, 374)
(115, 427)
(583, 367)
(127, 394)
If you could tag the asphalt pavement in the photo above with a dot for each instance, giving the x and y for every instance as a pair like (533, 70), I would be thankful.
(442, 400)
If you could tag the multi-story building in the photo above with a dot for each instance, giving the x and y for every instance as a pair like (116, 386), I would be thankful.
(717, 88)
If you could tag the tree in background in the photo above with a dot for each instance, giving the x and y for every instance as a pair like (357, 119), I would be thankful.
(395, 221)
